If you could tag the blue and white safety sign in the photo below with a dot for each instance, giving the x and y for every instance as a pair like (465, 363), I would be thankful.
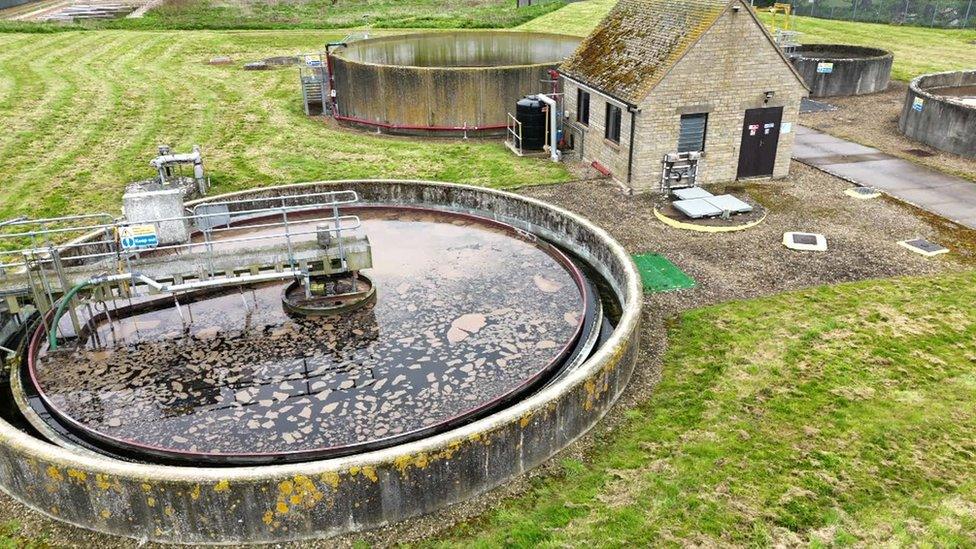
(138, 237)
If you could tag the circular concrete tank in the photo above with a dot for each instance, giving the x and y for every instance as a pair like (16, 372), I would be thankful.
(940, 110)
(443, 83)
(323, 497)
(832, 70)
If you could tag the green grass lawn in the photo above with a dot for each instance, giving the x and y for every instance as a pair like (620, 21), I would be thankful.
(320, 14)
(843, 415)
(213, 14)
(83, 112)
(917, 50)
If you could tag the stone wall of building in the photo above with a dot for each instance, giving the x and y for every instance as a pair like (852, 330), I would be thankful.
(595, 147)
(727, 72)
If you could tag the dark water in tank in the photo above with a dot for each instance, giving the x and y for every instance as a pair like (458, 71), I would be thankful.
(463, 49)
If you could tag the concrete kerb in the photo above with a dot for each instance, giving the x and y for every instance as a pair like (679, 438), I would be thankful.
(319, 499)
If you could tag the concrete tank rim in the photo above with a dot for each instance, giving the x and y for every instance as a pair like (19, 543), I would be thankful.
(630, 317)
(392, 37)
(874, 53)
(915, 86)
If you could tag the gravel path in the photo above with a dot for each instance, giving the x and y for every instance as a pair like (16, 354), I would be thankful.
(862, 236)
(872, 120)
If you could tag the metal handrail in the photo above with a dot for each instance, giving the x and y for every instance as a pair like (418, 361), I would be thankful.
(44, 254)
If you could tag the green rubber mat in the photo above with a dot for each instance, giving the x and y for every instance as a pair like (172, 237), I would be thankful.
(660, 275)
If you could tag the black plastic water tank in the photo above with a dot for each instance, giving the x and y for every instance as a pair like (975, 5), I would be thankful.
(530, 111)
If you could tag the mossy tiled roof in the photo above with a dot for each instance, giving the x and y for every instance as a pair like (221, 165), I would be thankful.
(638, 42)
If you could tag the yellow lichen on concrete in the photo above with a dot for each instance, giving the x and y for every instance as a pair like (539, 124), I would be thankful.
(419, 461)
(80, 477)
(195, 492)
(525, 420)
(590, 388)
(299, 491)
(105, 513)
(151, 501)
(101, 480)
(370, 473)
(146, 487)
(331, 478)
(221, 486)
(54, 473)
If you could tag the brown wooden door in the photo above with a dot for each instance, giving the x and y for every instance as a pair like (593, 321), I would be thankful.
(760, 138)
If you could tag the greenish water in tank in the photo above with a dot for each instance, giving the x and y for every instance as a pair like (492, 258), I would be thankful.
(463, 49)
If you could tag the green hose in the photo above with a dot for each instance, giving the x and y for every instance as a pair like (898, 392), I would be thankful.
(52, 336)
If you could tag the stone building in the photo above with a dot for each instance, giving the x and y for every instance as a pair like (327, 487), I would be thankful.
(665, 76)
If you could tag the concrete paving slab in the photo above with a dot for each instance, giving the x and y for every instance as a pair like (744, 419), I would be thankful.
(950, 197)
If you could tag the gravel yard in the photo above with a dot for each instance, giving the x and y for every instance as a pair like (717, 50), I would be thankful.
(862, 237)
(872, 120)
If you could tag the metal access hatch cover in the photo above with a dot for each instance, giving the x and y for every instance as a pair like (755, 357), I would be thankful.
(805, 242)
(697, 208)
(691, 193)
(924, 247)
(729, 203)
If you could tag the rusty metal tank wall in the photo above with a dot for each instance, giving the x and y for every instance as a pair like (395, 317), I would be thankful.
(937, 120)
(412, 84)
(854, 70)
(323, 498)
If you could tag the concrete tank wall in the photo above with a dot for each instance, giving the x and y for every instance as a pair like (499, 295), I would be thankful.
(855, 70)
(318, 499)
(412, 83)
(936, 120)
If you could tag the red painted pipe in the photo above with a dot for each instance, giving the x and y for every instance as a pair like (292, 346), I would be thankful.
(602, 169)
(407, 127)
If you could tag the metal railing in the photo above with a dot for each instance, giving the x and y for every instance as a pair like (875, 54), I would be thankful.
(49, 273)
(514, 140)
(98, 235)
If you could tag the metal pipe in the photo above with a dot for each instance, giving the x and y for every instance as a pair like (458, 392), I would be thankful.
(407, 127)
(553, 126)
(630, 159)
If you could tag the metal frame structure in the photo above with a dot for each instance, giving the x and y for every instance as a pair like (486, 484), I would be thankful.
(50, 274)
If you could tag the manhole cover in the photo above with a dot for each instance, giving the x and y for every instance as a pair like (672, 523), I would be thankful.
(805, 242)
(921, 153)
(924, 247)
(863, 192)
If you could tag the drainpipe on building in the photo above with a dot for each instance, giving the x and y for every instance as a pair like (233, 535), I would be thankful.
(630, 159)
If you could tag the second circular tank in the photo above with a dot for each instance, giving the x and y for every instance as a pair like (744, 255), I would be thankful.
(443, 83)
(832, 70)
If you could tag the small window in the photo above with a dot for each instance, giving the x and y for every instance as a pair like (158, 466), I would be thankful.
(691, 136)
(583, 107)
(614, 115)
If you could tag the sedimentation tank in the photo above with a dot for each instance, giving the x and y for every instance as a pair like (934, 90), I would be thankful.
(501, 330)
(832, 70)
(443, 83)
(940, 110)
